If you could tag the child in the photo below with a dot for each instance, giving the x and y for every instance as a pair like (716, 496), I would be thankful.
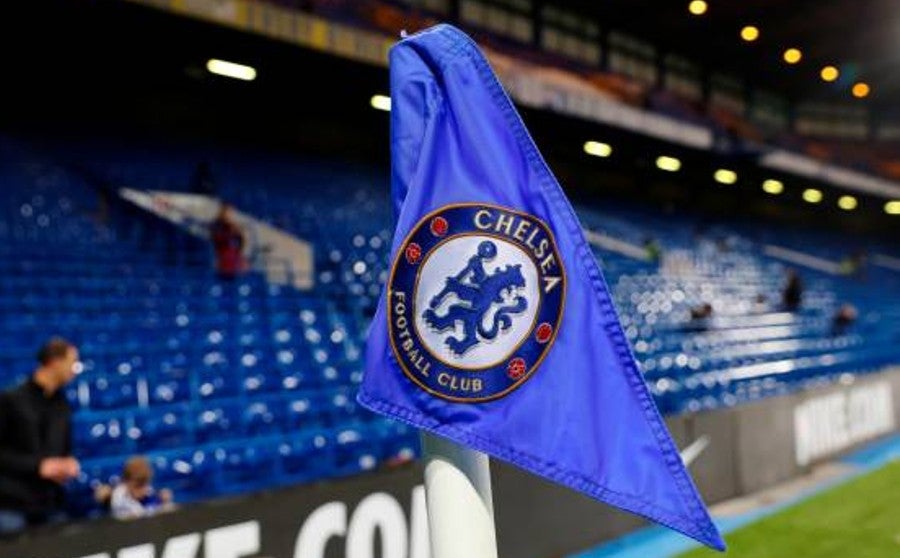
(134, 497)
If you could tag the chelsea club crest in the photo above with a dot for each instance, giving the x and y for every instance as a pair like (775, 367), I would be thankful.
(475, 300)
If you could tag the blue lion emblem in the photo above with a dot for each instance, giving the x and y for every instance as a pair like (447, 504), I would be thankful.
(478, 292)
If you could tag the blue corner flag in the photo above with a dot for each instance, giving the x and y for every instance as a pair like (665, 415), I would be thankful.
(496, 329)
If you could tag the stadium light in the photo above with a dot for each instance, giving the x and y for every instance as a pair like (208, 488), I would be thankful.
(750, 33)
(668, 164)
(812, 195)
(792, 55)
(847, 203)
(230, 69)
(829, 73)
(892, 207)
(381, 102)
(861, 90)
(597, 148)
(698, 7)
(772, 186)
(725, 176)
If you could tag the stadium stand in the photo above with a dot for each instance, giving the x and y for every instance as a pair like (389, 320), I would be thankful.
(227, 386)
(237, 386)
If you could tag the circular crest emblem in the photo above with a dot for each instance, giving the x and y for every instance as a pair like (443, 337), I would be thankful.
(475, 301)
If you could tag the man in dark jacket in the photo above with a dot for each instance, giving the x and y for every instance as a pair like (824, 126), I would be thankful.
(35, 441)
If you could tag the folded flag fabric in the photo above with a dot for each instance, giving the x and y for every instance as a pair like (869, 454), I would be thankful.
(496, 328)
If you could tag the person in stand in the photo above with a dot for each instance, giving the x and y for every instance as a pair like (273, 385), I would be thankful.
(35, 442)
(845, 317)
(135, 496)
(228, 243)
(792, 295)
(702, 312)
(701, 316)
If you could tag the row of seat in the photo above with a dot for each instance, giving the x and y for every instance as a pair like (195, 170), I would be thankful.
(119, 391)
(735, 385)
(309, 453)
(131, 429)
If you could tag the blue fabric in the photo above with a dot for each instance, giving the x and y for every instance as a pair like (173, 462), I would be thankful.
(584, 417)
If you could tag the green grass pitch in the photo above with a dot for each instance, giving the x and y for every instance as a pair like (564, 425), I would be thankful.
(859, 519)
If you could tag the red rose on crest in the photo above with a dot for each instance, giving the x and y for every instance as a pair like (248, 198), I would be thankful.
(439, 226)
(516, 368)
(543, 332)
(413, 253)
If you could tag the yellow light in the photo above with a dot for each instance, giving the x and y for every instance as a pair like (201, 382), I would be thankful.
(380, 102)
(829, 73)
(231, 69)
(847, 203)
(861, 90)
(772, 186)
(812, 195)
(597, 148)
(697, 7)
(668, 164)
(750, 33)
(892, 207)
(725, 176)
(792, 55)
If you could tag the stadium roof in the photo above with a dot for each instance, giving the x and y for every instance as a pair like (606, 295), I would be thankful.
(860, 37)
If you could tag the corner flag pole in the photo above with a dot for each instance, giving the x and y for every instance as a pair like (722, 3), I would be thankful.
(458, 499)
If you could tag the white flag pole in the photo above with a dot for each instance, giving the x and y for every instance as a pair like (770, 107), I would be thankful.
(458, 499)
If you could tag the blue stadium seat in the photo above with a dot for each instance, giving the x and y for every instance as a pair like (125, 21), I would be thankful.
(190, 474)
(247, 465)
(356, 450)
(262, 382)
(112, 393)
(96, 435)
(214, 422)
(264, 417)
(341, 407)
(161, 428)
(216, 382)
(306, 410)
(170, 389)
(307, 455)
